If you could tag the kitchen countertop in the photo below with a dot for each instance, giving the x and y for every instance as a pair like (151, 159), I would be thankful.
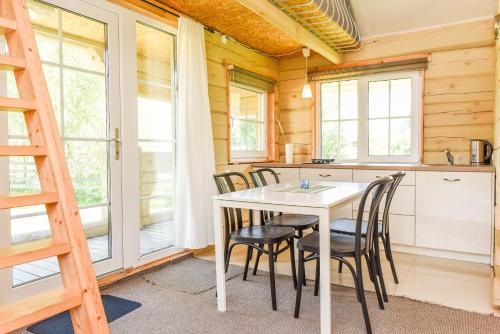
(383, 166)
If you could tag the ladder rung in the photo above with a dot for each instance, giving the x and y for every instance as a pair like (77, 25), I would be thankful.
(12, 63)
(14, 201)
(37, 308)
(7, 25)
(31, 251)
(22, 151)
(10, 104)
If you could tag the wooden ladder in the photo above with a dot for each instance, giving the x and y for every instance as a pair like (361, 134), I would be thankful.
(79, 294)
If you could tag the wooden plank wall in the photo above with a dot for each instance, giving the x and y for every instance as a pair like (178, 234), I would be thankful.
(458, 94)
(217, 54)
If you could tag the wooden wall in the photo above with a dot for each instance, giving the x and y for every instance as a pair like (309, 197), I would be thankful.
(217, 54)
(458, 94)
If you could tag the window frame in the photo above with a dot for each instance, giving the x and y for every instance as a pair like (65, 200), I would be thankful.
(363, 121)
(245, 155)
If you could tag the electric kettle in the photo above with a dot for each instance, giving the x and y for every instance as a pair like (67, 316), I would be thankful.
(480, 152)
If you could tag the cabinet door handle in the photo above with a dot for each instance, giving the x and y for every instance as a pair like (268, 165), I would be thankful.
(451, 180)
(325, 175)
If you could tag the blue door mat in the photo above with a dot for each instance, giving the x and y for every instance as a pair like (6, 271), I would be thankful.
(114, 308)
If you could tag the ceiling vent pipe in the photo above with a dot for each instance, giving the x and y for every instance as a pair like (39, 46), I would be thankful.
(330, 20)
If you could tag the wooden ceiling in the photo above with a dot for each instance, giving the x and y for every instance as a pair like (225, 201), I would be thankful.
(235, 20)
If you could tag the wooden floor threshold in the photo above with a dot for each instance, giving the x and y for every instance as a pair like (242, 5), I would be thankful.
(124, 273)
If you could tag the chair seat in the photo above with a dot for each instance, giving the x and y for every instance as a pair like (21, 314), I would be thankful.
(348, 226)
(340, 244)
(263, 234)
(296, 221)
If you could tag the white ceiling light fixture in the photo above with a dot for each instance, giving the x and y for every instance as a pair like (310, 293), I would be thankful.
(306, 89)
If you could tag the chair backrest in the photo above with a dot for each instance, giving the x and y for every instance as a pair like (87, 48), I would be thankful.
(398, 177)
(259, 176)
(259, 180)
(233, 218)
(375, 191)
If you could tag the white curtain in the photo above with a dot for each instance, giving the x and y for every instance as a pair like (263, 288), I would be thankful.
(195, 151)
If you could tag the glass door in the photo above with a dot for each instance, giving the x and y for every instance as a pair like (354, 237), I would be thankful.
(156, 133)
(76, 44)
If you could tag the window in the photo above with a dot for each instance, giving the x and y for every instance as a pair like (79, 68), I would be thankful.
(248, 122)
(371, 118)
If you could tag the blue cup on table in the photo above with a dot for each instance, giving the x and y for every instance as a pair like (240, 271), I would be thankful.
(304, 184)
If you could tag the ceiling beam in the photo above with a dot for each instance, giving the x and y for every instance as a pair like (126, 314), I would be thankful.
(285, 23)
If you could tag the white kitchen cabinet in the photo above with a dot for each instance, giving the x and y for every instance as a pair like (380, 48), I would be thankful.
(401, 227)
(454, 211)
(284, 175)
(365, 175)
(403, 202)
(330, 175)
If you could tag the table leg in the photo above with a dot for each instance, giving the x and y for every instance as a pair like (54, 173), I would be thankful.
(325, 294)
(219, 258)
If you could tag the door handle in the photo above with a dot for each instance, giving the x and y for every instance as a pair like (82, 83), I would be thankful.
(117, 140)
(325, 175)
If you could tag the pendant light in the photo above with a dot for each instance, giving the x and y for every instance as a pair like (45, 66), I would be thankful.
(306, 89)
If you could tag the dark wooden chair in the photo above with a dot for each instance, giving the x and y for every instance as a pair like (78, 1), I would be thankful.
(252, 236)
(298, 222)
(348, 226)
(344, 246)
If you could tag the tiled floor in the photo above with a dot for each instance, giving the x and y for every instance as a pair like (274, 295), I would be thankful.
(456, 284)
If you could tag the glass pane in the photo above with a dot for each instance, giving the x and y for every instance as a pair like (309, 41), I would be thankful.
(23, 175)
(154, 111)
(330, 101)
(88, 164)
(96, 224)
(251, 131)
(401, 136)
(83, 42)
(348, 140)
(238, 135)
(329, 139)
(45, 21)
(52, 76)
(378, 99)
(349, 99)
(378, 134)
(85, 107)
(155, 68)
(401, 97)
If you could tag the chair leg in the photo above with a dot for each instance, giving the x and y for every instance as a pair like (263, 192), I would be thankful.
(380, 274)
(277, 252)
(359, 280)
(340, 267)
(256, 265)
(230, 250)
(271, 276)
(316, 279)
(247, 262)
(292, 262)
(301, 234)
(353, 273)
(373, 277)
(300, 277)
(388, 255)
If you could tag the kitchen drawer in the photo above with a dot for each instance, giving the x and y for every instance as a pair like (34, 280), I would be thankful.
(284, 175)
(401, 227)
(403, 202)
(326, 174)
(454, 211)
(371, 175)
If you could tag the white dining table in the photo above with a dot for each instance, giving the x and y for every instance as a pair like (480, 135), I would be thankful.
(276, 198)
